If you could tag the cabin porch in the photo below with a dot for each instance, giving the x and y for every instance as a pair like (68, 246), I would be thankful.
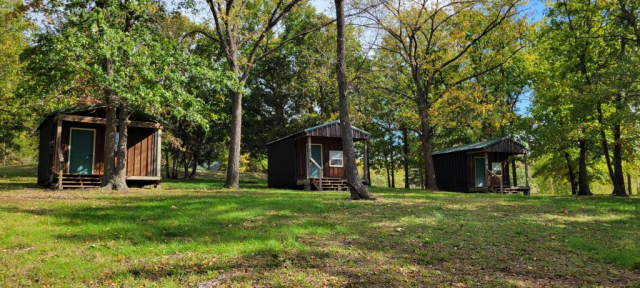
(496, 172)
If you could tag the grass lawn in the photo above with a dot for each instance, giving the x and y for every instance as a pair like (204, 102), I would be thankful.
(193, 233)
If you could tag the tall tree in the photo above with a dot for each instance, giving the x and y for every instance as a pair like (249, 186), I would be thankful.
(112, 51)
(434, 40)
(244, 30)
(358, 190)
(13, 40)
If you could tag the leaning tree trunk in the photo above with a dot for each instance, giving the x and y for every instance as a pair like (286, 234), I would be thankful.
(583, 175)
(358, 190)
(572, 176)
(120, 180)
(233, 163)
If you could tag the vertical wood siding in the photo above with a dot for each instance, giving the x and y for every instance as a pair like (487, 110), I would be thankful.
(282, 163)
(140, 152)
(451, 171)
(327, 145)
(45, 152)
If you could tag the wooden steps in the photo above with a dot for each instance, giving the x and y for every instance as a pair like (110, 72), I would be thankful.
(81, 181)
(330, 184)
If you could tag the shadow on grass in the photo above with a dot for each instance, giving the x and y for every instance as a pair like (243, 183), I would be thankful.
(464, 236)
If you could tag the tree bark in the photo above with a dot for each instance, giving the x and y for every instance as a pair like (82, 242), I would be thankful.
(185, 163)
(166, 163)
(405, 140)
(629, 183)
(393, 170)
(572, 176)
(194, 168)
(605, 150)
(110, 133)
(425, 137)
(233, 163)
(386, 167)
(120, 178)
(617, 150)
(583, 175)
(357, 189)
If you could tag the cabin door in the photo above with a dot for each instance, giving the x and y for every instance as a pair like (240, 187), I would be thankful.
(81, 151)
(316, 155)
(480, 172)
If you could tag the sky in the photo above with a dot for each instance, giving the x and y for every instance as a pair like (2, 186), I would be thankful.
(534, 10)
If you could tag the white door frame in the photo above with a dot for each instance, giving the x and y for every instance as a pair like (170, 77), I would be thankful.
(93, 153)
(309, 156)
(475, 177)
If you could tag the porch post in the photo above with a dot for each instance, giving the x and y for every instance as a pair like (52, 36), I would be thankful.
(526, 170)
(513, 169)
(486, 167)
(308, 156)
(159, 154)
(58, 154)
(366, 163)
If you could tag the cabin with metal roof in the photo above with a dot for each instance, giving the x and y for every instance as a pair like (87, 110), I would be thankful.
(313, 159)
(481, 167)
(71, 148)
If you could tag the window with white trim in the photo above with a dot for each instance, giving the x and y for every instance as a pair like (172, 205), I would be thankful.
(335, 158)
(496, 168)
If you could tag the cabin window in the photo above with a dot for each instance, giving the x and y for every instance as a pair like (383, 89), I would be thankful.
(335, 158)
(117, 140)
(496, 168)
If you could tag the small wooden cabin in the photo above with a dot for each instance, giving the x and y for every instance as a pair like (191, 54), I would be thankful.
(71, 149)
(313, 159)
(481, 167)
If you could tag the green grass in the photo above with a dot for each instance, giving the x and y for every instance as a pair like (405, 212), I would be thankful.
(191, 232)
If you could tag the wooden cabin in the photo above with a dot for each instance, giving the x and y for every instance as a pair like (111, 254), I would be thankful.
(481, 167)
(313, 159)
(71, 149)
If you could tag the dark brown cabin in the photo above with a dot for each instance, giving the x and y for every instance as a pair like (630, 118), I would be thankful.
(71, 149)
(313, 159)
(481, 167)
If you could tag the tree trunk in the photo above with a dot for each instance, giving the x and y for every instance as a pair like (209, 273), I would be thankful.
(572, 176)
(110, 133)
(617, 151)
(393, 170)
(425, 137)
(357, 189)
(185, 162)
(166, 163)
(386, 167)
(194, 168)
(120, 179)
(233, 163)
(583, 175)
(605, 150)
(629, 183)
(405, 140)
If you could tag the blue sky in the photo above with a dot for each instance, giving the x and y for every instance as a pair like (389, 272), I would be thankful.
(535, 8)
(535, 11)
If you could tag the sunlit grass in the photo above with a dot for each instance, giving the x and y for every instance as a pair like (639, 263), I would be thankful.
(189, 232)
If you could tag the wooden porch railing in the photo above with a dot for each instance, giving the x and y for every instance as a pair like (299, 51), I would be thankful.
(313, 162)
